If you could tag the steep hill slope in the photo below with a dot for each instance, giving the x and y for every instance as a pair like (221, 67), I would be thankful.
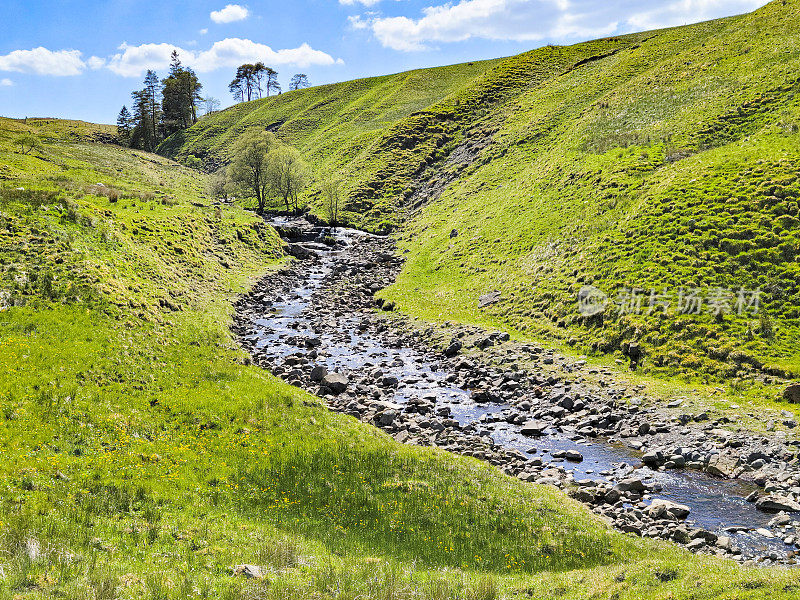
(662, 162)
(142, 456)
(669, 167)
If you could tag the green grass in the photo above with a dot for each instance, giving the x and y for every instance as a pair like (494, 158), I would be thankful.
(658, 160)
(143, 457)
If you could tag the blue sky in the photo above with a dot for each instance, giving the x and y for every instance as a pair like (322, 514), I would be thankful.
(81, 59)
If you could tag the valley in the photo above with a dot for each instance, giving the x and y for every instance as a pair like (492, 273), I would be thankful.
(342, 342)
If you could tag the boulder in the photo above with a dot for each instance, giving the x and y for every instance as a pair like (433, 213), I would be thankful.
(653, 459)
(631, 484)
(390, 381)
(299, 251)
(777, 503)
(725, 542)
(533, 428)
(318, 373)
(634, 351)
(792, 393)
(661, 509)
(573, 456)
(488, 299)
(453, 349)
(336, 382)
(249, 571)
(387, 417)
(720, 465)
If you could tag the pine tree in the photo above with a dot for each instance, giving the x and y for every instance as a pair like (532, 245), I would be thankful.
(124, 125)
(152, 96)
(181, 94)
(271, 81)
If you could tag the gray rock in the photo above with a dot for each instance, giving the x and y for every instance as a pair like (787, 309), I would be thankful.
(489, 299)
(660, 509)
(696, 544)
(533, 428)
(652, 459)
(721, 466)
(318, 373)
(725, 543)
(631, 484)
(573, 456)
(776, 503)
(390, 381)
(453, 349)
(336, 382)
(249, 571)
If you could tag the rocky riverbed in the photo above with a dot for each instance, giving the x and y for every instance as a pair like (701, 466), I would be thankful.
(649, 470)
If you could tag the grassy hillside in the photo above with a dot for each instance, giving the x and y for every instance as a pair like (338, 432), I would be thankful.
(143, 457)
(332, 124)
(671, 165)
(663, 162)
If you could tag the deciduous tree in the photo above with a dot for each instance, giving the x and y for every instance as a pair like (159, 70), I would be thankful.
(288, 175)
(298, 82)
(27, 142)
(249, 169)
(211, 104)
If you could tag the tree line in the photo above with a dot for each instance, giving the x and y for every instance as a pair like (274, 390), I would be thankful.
(165, 106)
(253, 80)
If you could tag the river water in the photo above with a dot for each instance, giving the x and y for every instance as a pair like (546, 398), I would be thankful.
(716, 504)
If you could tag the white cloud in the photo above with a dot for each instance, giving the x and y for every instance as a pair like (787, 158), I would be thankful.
(204, 31)
(95, 62)
(364, 2)
(230, 14)
(358, 22)
(681, 12)
(133, 61)
(42, 61)
(6, 82)
(536, 20)
(518, 20)
(232, 52)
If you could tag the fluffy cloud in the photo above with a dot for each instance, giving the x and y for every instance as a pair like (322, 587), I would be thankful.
(95, 62)
(518, 20)
(681, 12)
(534, 20)
(133, 61)
(6, 82)
(364, 2)
(230, 14)
(42, 61)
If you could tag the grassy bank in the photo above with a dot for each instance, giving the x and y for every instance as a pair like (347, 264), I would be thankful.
(662, 162)
(143, 456)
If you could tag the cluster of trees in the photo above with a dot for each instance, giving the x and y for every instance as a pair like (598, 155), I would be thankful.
(163, 107)
(265, 169)
(253, 80)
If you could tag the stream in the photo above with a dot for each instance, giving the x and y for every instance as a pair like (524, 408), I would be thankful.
(288, 332)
